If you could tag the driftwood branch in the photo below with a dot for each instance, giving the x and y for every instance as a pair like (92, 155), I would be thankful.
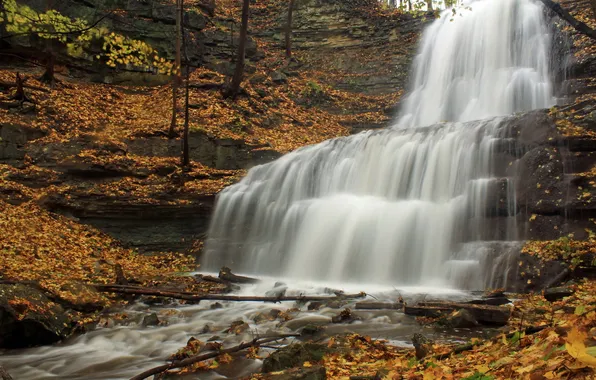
(226, 274)
(558, 278)
(188, 296)
(194, 359)
(4, 375)
(486, 314)
(575, 23)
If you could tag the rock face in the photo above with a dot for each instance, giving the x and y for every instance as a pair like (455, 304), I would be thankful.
(28, 318)
(335, 35)
(357, 51)
(13, 139)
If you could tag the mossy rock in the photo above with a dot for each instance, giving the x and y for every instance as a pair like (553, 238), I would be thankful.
(294, 355)
(28, 318)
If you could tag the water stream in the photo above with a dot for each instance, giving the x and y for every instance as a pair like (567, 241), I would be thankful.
(125, 348)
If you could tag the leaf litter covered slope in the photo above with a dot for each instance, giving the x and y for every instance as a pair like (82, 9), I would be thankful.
(53, 250)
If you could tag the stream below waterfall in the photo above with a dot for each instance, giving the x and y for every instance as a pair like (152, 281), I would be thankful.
(126, 348)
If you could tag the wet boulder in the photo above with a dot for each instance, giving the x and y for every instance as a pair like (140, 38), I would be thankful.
(294, 355)
(151, 320)
(28, 318)
(461, 318)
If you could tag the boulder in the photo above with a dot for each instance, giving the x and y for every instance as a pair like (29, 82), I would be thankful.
(460, 319)
(294, 355)
(28, 318)
(555, 294)
(278, 77)
(151, 320)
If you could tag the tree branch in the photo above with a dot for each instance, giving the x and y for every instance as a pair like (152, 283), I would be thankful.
(194, 359)
(77, 31)
(575, 23)
(188, 296)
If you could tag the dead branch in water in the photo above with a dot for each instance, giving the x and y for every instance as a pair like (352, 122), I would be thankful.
(210, 355)
(188, 296)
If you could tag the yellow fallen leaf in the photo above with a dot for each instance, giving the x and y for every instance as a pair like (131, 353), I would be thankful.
(306, 364)
(576, 348)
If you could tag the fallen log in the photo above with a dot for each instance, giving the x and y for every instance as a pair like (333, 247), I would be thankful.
(379, 306)
(195, 359)
(189, 296)
(493, 301)
(486, 314)
(226, 274)
(202, 277)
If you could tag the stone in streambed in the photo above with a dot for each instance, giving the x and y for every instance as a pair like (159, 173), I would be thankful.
(294, 355)
(28, 318)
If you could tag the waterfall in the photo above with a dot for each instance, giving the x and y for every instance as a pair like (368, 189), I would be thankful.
(402, 205)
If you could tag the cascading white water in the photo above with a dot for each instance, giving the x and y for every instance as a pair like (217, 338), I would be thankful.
(491, 58)
(396, 206)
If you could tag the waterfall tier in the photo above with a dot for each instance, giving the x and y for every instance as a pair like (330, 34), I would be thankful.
(398, 205)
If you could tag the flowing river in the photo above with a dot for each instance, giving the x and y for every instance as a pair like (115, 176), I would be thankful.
(123, 349)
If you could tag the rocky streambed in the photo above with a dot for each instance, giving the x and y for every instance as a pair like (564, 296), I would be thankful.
(146, 334)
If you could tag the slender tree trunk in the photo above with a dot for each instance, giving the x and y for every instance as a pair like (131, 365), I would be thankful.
(289, 30)
(185, 150)
(234, 86)
(176, 79)
(410, 5)
(429, 5)
(48, 75)
(232, 40)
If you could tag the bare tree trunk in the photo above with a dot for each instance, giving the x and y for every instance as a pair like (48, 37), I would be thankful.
(234, 86)
(575, 23)
(48, 75)
(410, 5)
(232, 40)
(429, 5)
(185, 150)
(289, 30)
(176, 79)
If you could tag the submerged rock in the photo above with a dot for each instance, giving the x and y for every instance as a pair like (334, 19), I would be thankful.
(151, 320)
(28, 318)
